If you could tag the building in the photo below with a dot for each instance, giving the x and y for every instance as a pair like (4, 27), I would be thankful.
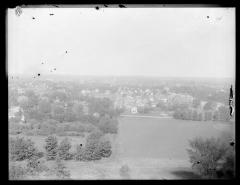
(134, 110)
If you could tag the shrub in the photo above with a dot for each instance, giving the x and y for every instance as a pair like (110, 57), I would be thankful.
(95, 147)
(108, 125)
(21, 149)
(51, 147)
(16, 172)
(79, 154)
(91, 150)
(35, 166)
(210, 157)
(63, 149)
(124, 172)
(104, 148)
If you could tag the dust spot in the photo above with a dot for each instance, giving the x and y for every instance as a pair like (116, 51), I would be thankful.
(97, 8)
(207, 17)
(39, 74)
(33, 17)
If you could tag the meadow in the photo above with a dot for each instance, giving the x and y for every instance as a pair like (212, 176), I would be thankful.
(149, 148)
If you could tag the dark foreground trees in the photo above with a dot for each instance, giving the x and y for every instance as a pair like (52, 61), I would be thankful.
(21, 149)
(96, 148)
(212, 158)
(51, 147)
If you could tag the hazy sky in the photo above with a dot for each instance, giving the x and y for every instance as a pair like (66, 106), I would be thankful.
(170, 42)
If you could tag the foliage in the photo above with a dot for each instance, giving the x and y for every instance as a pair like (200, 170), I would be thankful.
(21, 149)
(96, 147)
(51, 147)
(35, 166)
(63, 149)
(224, 113)
(104, 148)
(91, 146)
(79, 154)
(210, 105)
(108, 125)
(211, 156)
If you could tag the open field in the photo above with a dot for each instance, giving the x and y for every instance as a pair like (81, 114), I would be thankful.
(151, 148)
(163, 138)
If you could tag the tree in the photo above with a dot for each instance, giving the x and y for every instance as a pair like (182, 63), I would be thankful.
(12, 97)
(44, 107)
(104, 148)
(195, 115)
(196, 102)
(224, 114)
(58, 112)
(209, 106)
(79, 155)
(210, 156)
(33, 99)
(208, 116)
(23, 102)
(215, 115)
(63, 149)
(35, 166)
(21, 149)
(108, 125)
(51, 147)
(77, 110)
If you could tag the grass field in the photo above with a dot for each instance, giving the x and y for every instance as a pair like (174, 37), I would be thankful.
(151, 149)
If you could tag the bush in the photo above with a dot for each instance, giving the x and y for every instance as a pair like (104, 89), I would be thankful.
(21, 149)
(108, 125)
(35, 166)
(95, 147)
(124, 172)
(51, 147)
(211, 157)
(104, 148)
(63, 149)
(16, 172)
(79, 154)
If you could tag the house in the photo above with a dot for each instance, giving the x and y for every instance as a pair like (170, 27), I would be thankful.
(134, 110)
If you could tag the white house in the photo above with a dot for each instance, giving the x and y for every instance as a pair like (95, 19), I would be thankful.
(134, 110)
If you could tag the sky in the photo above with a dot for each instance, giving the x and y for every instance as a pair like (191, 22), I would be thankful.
(167, 42)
